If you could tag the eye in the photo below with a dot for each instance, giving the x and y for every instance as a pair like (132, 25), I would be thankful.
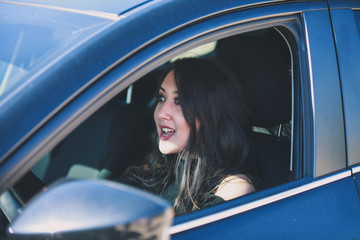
(160, 98)
(177, 101)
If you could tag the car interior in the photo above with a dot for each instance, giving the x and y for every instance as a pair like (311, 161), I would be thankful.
(108, 142)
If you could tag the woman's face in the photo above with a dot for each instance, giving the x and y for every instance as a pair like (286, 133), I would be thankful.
(171, 126)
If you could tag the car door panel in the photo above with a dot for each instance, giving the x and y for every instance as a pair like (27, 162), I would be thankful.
(356, 173)
(325, 212)
(334, 206)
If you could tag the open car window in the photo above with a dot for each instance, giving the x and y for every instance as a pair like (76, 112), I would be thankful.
(119, 135)
(108, 142)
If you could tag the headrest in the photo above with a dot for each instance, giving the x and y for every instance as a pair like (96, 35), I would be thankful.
(261, 61)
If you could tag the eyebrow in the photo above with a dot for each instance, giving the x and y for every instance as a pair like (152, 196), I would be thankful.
(162, 89)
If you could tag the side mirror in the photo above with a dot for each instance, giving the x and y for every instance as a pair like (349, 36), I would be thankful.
(93, 209)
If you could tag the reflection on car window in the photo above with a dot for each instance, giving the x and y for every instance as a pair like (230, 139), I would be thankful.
(30, 40)
(201, 51)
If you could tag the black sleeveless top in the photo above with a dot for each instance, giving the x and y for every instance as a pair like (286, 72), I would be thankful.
(169, 193)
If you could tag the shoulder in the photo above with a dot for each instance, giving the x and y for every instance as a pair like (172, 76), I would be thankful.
(234, 186)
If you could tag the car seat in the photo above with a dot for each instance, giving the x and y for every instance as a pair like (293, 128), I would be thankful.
(261, 61)
(103, 146)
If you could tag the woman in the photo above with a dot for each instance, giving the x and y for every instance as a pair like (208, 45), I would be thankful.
(203, 154)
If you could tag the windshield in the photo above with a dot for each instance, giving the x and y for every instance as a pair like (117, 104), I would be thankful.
(20, 52)
(32, 37)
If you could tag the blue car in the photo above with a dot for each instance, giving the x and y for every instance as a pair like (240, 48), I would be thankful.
(77, 80)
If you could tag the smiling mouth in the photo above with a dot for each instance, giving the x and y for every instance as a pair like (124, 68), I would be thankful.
(166, 133)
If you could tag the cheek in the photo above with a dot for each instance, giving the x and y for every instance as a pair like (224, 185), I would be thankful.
(185, 130)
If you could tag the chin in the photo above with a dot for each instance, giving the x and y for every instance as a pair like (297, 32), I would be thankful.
(168, 151)
(168, 148)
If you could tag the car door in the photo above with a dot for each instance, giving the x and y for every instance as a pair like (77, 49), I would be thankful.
(319, 200)
(324, 203)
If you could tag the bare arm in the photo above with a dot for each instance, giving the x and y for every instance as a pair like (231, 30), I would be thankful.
(234, 186)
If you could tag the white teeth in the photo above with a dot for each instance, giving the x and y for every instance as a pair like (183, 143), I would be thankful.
(166, 130)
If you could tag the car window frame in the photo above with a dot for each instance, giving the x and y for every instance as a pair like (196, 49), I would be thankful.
(346, 26)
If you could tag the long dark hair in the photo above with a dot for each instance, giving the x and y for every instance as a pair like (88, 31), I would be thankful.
(221, 147)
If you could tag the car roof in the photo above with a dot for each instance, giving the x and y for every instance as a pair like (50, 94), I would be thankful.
(105, 6)
(117, 7)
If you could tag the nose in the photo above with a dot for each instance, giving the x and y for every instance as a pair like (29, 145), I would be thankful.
(163, 111)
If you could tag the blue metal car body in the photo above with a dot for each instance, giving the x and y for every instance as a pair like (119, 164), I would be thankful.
(97, 50)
